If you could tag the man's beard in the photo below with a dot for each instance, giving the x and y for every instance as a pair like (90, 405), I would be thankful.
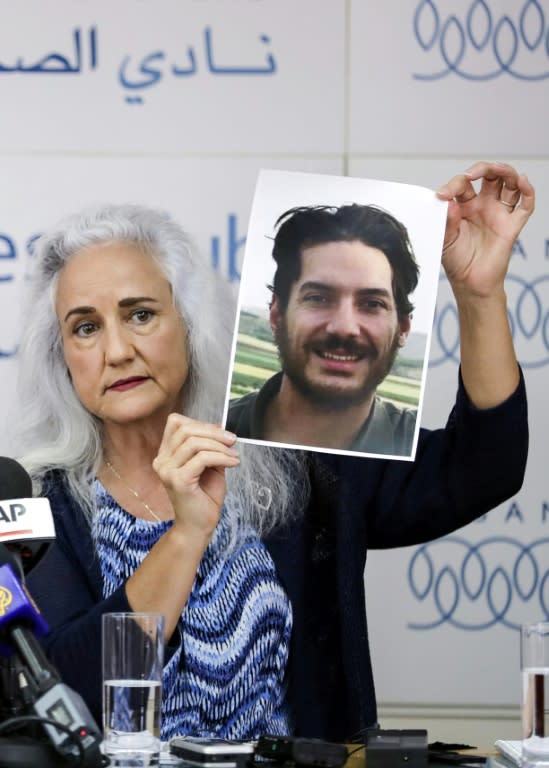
(335, 397)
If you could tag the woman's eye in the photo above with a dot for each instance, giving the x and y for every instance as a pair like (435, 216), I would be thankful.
(142, 315)
(84, 329)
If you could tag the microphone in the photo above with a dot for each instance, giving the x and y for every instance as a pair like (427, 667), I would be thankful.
(26, 528)
(39, 683)
(16, 605)
(26, 524)
(22, 519)
(14, 479)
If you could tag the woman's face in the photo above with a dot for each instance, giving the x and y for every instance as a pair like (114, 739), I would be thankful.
(124, 341)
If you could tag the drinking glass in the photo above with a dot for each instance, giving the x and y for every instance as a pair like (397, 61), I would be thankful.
(133, 657)
(534, 658)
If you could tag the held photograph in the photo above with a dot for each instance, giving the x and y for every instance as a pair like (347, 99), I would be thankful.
(335, 310)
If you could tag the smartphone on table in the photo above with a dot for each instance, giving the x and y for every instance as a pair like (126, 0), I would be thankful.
(212, 753)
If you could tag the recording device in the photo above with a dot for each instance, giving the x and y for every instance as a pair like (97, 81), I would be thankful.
(313, 752)
(72, 731)
(212, 753)
(221, 753)
(392, 747)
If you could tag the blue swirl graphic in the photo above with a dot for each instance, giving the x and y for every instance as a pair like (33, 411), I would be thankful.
(474, 586)
(528, 311)
(484, 43)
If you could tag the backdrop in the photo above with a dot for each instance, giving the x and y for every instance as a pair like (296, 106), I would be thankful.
(179, 103)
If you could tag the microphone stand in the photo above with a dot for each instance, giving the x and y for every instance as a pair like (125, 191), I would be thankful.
(69, 735)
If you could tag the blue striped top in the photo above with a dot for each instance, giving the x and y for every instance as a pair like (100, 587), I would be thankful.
(226, 677)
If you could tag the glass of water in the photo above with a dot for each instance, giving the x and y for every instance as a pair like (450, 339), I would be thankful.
(133, 657)
(534, 661)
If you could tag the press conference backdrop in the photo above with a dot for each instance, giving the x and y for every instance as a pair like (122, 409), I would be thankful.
(179, 103)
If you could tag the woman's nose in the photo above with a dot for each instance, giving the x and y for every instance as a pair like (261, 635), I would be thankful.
(118, 347)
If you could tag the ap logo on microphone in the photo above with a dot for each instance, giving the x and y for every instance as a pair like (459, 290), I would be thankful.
(11, 512)
(26, 519)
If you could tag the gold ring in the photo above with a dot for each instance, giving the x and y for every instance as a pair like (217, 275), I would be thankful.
(509, 205)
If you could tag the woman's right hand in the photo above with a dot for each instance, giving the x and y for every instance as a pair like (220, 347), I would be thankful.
(191, 464)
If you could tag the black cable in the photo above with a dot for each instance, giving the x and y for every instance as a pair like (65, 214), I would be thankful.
(15, 722)
(361, 734)
(356, 749)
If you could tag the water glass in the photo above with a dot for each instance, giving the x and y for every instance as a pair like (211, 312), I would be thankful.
(133, 657)
(534, 659)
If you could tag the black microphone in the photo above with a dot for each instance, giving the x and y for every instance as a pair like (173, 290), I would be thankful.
(15, 482)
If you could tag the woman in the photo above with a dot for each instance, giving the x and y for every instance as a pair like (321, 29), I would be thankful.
(128, 356)
(255, 559)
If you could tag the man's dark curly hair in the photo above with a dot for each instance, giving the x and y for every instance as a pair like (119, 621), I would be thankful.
(305, 226)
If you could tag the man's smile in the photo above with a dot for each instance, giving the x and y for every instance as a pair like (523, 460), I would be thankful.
(341, 352)
(340, 358)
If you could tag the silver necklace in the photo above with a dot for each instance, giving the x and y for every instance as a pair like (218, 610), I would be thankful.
(117, 474)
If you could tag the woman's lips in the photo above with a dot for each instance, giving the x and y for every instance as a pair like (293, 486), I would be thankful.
(123, 384)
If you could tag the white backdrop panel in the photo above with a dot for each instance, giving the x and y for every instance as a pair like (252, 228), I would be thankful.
(172, 75)
(453, 636)
(197, 95)
(449, 76)
(43, 189)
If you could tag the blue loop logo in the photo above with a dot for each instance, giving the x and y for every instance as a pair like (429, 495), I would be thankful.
(476, 586)
(528, 313)
(484, 43)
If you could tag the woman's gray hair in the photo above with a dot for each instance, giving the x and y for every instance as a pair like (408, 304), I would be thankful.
(54, 430)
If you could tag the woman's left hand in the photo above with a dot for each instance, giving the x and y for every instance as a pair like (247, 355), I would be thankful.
(483, 226)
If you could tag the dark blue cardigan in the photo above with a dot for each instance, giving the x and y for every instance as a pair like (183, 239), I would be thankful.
(357, 504)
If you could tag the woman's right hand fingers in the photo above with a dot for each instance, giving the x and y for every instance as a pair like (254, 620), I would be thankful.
(191, 461)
